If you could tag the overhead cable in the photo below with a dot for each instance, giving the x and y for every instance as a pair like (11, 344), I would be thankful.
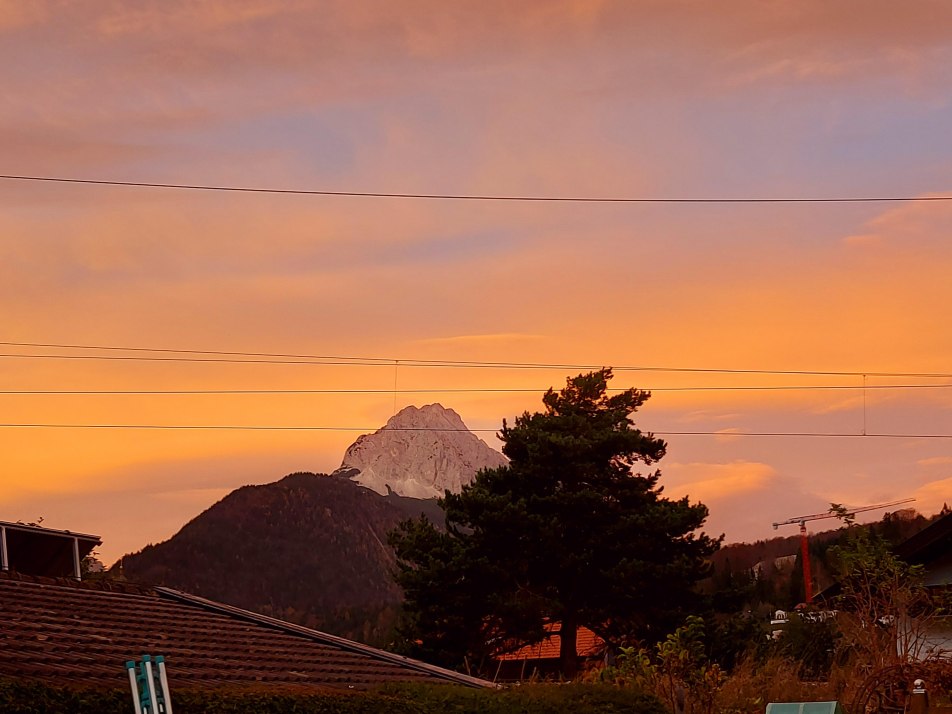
(279, 358)
(474, 197)
(450, 390)
(365, 430)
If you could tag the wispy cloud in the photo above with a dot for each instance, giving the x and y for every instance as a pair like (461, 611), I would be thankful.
(464, 340)
(935, 461)
(933, 496)
(712, 481)
(727, 435)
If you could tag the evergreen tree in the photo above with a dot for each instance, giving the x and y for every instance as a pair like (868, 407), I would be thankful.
(566, 533)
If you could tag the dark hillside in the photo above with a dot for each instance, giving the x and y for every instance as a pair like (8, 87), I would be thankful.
(309, 548)
(769, 571)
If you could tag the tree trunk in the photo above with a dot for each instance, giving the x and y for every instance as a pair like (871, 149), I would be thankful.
(568, 649)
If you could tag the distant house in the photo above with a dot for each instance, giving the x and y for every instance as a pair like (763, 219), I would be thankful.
(783, 563)
(932, 549)
(541, 660)
(59, 630)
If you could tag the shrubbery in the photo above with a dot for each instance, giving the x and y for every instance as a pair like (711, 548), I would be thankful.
(33, 698)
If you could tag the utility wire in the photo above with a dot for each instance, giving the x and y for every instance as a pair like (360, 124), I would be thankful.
(113, 348)
(211, 360)
(449, 390)
(242, 427)
(278, 358)
(472, 197)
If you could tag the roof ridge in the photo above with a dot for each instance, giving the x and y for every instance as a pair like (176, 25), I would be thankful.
(324, 638)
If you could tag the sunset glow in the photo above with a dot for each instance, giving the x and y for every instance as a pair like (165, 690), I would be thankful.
(570, 98)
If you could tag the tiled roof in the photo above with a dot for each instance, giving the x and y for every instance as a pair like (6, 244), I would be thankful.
(81, 634)
(587, 644)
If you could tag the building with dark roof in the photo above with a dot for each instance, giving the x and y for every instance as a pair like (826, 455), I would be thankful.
(81, 633)
(33, 550)
(931, 548)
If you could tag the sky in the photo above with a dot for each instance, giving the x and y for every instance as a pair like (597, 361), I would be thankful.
(570, 98)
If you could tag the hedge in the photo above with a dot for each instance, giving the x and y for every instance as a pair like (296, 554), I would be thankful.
(34, 698)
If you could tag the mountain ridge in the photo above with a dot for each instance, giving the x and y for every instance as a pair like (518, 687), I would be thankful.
(309, 548)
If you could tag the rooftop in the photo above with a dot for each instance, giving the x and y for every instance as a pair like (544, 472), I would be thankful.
(81, 634)
(587, 644)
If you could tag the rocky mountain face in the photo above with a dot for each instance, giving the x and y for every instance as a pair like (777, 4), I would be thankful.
(309, 548)
(419, 453)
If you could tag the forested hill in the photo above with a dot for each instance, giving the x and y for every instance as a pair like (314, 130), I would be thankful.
(309, 548)
(769, 571)
(894, 527)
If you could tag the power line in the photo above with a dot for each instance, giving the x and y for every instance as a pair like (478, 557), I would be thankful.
(279, 358)
(113, 348)
(447, 390)
(211, 360)
(245, 427)
(472, 197)
(804, 434)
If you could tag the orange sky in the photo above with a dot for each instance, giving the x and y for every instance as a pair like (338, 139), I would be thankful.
(650, 99)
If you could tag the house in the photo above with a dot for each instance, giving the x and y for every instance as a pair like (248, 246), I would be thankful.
(60, 630)
(930, 637)
(541, 660)
(932, 549)
(33, 550)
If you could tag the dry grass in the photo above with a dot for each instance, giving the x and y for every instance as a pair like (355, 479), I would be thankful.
(752, 686)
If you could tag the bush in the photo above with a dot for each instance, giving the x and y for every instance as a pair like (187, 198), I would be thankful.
(529, 699)
(752, 685)
(678, 672)
(34, 698)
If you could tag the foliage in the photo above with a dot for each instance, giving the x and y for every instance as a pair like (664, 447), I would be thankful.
(734, 638)
(822, 654)
(678, 672)
(529, 699)
(33, 698)
(90, 567)
(885, 608)
(755, 683)
(19, 697)
(811, 640)
(566, 532)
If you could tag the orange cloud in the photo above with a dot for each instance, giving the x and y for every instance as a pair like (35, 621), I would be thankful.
(709, 482)
(931, 497)
(727, 435)
(507, 338)
(935, 461)
(15, 15)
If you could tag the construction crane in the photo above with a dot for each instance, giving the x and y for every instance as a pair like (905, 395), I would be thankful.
(834, 512)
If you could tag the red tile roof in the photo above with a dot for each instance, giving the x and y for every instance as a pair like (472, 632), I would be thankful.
(82, 634)
(587, 644)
